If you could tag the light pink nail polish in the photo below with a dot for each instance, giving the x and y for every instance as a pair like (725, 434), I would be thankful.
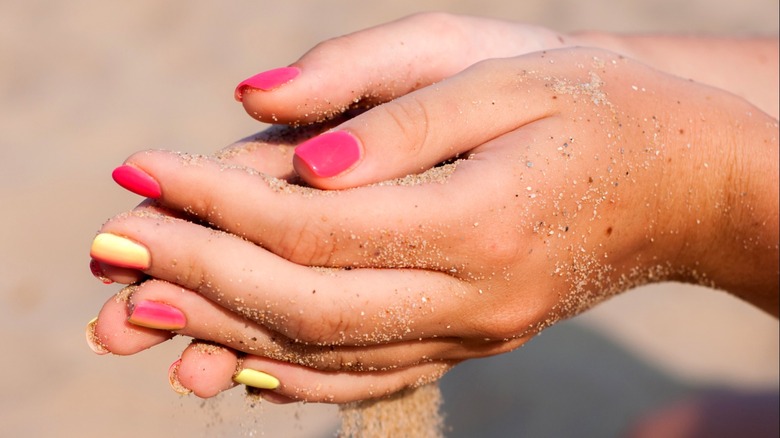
(267, 80)
(137, 181)
(156, 315)
(329, 154)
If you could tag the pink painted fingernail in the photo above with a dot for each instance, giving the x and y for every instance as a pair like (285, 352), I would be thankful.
(267, 80)
(329, 154)
(157, 315)
(97, 271)
(137, 181)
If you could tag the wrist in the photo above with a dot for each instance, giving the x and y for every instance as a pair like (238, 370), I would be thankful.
(731, 226)
(745, 66)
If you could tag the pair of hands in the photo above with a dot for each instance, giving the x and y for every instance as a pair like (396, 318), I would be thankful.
(580, 173)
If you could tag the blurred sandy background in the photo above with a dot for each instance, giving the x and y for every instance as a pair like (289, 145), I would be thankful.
(84, 83)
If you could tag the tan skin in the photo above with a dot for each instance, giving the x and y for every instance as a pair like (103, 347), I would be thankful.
(592, 173)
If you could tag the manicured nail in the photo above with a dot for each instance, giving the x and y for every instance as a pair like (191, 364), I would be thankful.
(329, 154)
(97, 271)
(173, 379)
(137, 181)
(157, 315)
(256, 379)
(94, 343)
(267, 80)
(120, 252)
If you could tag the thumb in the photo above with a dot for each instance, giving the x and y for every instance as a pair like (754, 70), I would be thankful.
(378, 64)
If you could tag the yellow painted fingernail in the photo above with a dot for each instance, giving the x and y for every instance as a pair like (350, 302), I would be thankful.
(173, 379)
(120, 251)
(256, 379)
(92, 339)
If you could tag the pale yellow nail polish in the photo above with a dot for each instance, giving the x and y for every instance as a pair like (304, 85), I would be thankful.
(92, 340)
(256, 379)
(120, 251)
(173, 379)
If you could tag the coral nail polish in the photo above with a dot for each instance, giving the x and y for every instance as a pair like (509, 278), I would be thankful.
(256, 379)
(329, 154)
(157, 315)
(267, 80)
(136, 181)
(119, 251)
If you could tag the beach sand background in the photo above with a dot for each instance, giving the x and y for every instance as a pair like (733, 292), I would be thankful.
(85, 83)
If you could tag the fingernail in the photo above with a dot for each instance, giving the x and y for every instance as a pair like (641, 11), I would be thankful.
(329, 154)
(173, 379)
(156, 315)
(267, 80)
(137, 181)
(119, 251)
(97, 271)
(92, 340)
(256, 379)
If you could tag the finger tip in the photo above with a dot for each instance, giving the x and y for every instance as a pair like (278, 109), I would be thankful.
(325, 161)
(207, 369)
(266, 81)
(238, 93)
(173, 379)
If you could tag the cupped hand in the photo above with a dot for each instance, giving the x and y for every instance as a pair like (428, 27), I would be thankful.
(574, 183)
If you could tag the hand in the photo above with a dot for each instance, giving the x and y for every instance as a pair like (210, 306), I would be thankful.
(576, 186)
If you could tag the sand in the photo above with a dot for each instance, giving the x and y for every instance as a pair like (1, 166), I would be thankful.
(412, 412)
(85, 83)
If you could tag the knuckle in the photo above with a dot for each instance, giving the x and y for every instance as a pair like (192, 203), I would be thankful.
(448, 26)
(307, 243)
(499, 321)
(433, 18)
(498, 325)
(322, 329)
(495, 249)
(192, 273)
(334, 48)
(411, 122)
(495, 69)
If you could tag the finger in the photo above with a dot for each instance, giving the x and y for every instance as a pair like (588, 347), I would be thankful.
(161, 305)
(381, 63)
(112, 331)
(357, 307)
(306, 384)
(309, 385)
(342, 229)
(207, 370)
(108, 273)
(415, 132)
(271, 151)
(199, 362)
